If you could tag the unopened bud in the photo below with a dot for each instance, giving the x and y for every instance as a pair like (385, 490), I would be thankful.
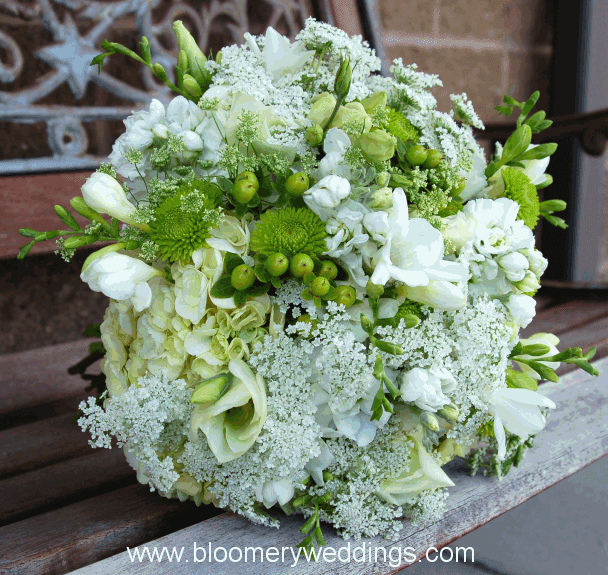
(551, 206)
(529, 284)
(210, 390)
(382, 198)
(67, 218)
(383, 178)
(191, 86)
(366, 324)
(536, 350)
(74, 242)
(373, 290)
(429, 421)
(182, 61)
(343, 79)
(449, 412)
(314, 135)
(159, 72)
(520, 380)
(389, 347)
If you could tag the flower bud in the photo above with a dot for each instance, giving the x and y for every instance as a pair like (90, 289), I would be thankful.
(377, 146)
(529, 284)
(322, 107)
(182, 61)
(196, 58)
(380, 199)
(375, 101)
(67, 218)
(210, 390)
(366, 324)
(80, 207)
(382, 179)
(159, 72)
(449, 412)
(191, 86)
(314, 135)
(343, 79)
(74, 242)
(105, 195)
(373, 290)
(429, 421)
(551, 206)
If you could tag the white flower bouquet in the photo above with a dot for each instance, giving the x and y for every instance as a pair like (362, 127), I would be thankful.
(317, 284)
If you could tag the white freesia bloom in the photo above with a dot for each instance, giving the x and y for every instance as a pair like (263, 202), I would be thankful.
(104, 194)
(234, 421)
(522, 308)
(326, 195)
(547, 339)
(413, 252)
(423, 473)
(427, 387)
(121, 277)
(335, 144)
(476, 179)
(279, 55)
(517, 411)
(272, 492)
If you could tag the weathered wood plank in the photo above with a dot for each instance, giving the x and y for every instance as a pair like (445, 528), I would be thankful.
(65, 539)
(51, 487)
(35, 445)
(39, 376)
(27, 201)
(575, 436)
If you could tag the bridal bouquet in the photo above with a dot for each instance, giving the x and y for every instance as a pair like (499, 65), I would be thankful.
(316, 285)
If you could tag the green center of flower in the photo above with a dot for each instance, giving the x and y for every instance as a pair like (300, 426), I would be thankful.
(520, 189)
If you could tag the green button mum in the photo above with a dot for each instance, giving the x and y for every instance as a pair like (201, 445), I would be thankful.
(182, 222)
(289, 231)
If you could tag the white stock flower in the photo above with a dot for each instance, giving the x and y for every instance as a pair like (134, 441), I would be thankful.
(104, 194)
(120, 277)
(517, 411)
(326, 195)
(427, 387)
(279, 55)
(547, 339)
(522, 308)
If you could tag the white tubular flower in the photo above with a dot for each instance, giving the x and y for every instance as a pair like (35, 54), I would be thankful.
(234, 421)
(279, 56)
(517, 411)
(437, 294)
(522, 308)
(547, 339)
(476, 179)
(427, 387)
(423, 473)
(326, 195)
(105, 195)
(514, 265)
(272, 492)
(120, 277)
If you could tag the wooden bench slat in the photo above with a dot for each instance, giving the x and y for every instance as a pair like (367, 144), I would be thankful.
(39, 376)
(35, 445)
(575, 436)
(56, 542)
(64, 483)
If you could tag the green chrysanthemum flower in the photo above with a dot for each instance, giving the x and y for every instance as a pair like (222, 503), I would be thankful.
(289, 231)
(182, 222)
(400, 127)
(520, 189)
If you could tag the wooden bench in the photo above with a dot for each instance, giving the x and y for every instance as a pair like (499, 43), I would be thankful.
(64, 506)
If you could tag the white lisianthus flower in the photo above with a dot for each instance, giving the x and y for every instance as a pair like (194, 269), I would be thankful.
(104, 194)
(326, 195)
(427, 387)
(272, 492)
(423, 473)
(120, 277)
(522, 308)
(279, 55)
(231, 235)
(234, 421)
(413, 252)
(517, 411)
(547, 339)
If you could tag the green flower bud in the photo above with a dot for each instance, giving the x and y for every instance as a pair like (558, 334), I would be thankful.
(245, 187)
(67, 218)
(242, 277)
(449, 412)
(210, 390)
(373, 290)
(314, 134)
(346, 295)
(416, 155)
(366, 324)
(432, 159)
(77, 241)
(81, 207)
(159, 72)
(218, 57)
(353, 112)
(191, 86)
(382, 179)
(375, 101)
(277, 264)
(382, 198)
(301, 264)
(319, 286)
(344, 77)
(297, 184)
(429, 421)
(322, 106)
(329, 270)
(196, 58)
(529, 284)
(182, 61)
(377, 146)
(551, 206)
(520, 380)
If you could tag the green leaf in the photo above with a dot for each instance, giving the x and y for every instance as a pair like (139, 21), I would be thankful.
(93, 330)
(97, 347)
(517, 349)
(28, 232)
(254, 202)
(511, 101)
(310, 523)
(276, 282)
(240, 298)
(517, 144)
(319, 535)
(241, 210)
(232, 261)
(308, 278)
(225, 184)
(223, 288)
(539, 152)
(556, 221)
(24, 250)
(99, 59)
(261, 272)
(257, 290)
(520, 380)
(504, 110)
(306, 295)
(514, 164)
(545, 372)
(332, 294)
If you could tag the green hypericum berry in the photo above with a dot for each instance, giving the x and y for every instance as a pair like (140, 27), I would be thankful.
(297, 184)
(416, 155)
(301, 264)
(329, 270)
(433, 158)
(242, 277)
(346, 295)
(277, 264)
(245, 187)
(320, 286)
